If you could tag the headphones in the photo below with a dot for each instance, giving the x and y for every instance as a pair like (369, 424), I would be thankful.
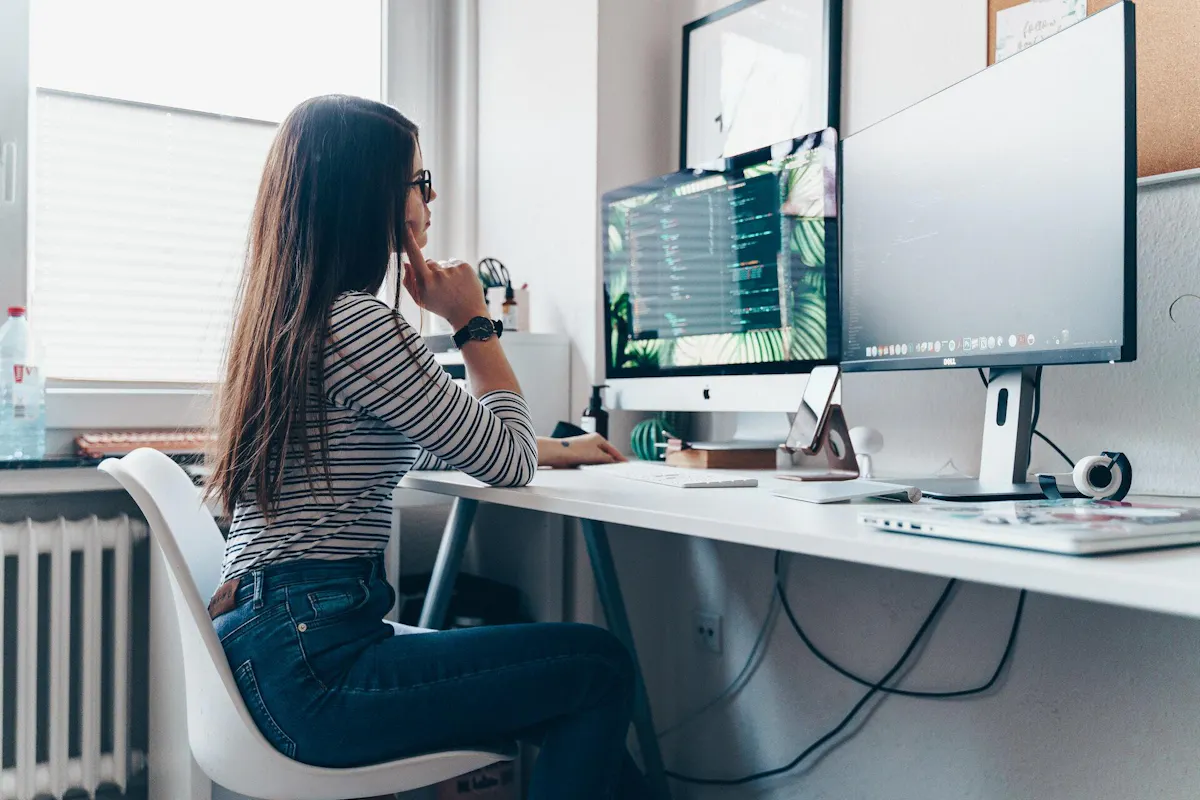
(1107, 476)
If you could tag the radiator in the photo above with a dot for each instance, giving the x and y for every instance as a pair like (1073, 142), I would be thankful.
(65, 646)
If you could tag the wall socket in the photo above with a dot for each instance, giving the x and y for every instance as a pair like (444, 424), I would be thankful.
(706, 630)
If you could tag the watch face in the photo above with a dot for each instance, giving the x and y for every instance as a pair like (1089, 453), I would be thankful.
(481, 328)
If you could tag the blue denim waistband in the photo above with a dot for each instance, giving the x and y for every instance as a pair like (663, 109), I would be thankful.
(257, 582)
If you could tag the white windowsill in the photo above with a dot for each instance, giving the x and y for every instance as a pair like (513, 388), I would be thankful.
(93, 408)
(61, 480)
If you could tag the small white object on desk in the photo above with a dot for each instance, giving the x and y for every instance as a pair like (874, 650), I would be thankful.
(866, 442)
(677, 478)
(845, 491)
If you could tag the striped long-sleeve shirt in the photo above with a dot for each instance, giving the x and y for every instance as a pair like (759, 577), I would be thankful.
(390, 408)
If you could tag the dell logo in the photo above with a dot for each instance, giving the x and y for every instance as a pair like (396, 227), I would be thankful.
(949, 362)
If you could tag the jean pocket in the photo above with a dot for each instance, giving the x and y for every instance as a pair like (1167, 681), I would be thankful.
(332, 603)
(248, 686)
(243, 621)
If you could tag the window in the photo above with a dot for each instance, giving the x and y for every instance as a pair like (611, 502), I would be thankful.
(150, 125)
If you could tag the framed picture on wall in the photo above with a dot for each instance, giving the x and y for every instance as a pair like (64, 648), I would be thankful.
(759, 72)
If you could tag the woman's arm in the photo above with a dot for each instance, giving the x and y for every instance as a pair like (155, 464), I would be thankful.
(375, 362)
(575, 451)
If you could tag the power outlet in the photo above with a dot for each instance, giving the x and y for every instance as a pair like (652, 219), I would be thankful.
(706, 629)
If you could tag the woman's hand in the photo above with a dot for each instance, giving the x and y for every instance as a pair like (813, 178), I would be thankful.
(591, 448)
(450, 290)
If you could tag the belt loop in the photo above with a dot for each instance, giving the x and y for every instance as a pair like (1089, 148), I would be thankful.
(258, 590)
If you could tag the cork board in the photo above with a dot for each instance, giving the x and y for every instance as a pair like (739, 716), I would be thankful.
(1168, 68)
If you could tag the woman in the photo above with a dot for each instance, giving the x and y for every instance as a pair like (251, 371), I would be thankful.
(329, 398)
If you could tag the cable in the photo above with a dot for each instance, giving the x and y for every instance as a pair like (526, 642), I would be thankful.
(845, 720)
(1055, 448)
(757, 653)
(781, 591)
(1037, 412)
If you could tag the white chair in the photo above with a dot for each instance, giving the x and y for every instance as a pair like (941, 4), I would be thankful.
(225, 742)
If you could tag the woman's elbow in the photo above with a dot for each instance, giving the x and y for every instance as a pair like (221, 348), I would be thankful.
(521, 470)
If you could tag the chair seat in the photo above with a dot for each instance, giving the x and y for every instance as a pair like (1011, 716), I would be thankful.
(290, 780)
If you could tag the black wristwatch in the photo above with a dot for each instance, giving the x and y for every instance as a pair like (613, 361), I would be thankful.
(479, 329)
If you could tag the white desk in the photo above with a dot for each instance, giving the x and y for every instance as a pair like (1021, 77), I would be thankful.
(1164, 581)
(1167, 581)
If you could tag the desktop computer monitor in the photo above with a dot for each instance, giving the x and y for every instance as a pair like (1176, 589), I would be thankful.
(992, 225)
(721, 282)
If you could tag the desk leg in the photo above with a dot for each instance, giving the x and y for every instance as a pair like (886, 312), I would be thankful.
(449, 558)
(600, 554)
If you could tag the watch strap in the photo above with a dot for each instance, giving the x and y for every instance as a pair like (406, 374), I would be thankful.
(463, 334)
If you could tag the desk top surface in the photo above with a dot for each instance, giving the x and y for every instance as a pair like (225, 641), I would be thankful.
(1167, 581)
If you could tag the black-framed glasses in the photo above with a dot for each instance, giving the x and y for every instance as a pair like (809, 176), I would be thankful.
(425, 182)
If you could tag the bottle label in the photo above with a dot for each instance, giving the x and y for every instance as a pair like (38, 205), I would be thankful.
(588, 424)
(24, 391)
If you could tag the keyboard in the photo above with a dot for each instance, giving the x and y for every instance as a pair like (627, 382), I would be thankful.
(677, 478)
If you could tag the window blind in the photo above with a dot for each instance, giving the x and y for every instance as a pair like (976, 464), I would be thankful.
(140, 218)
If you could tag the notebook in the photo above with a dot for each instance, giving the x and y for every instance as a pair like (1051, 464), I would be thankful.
(1071, 527)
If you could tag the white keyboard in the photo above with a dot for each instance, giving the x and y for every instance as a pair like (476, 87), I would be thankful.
(678, 478)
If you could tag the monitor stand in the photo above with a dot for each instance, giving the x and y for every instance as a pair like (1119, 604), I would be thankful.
(1007, 433)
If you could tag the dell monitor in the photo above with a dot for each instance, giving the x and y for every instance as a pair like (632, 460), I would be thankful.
(992, 225)
(721, 282)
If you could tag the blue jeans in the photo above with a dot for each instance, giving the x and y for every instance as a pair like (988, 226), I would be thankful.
(329, 684)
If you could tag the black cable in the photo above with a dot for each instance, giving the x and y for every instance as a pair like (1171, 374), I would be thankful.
(1037, 404)
(1054, 447)
(1037, 411)
(845, 673)
(841, 725)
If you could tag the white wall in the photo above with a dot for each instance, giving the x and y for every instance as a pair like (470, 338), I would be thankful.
(1101, 703)
(537, 156)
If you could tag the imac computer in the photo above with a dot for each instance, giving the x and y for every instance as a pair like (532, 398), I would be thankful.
(721, 282)
(993, 226)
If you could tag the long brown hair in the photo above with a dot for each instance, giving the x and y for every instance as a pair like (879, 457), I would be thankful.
(330, 213)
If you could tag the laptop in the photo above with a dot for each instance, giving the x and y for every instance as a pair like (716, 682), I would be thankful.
(1068, 527)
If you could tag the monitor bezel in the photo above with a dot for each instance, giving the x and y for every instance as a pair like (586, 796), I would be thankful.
(1125, 352)
(833, 48)
(832, 242)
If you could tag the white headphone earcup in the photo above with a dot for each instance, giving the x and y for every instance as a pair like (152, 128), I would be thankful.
(1081, 477)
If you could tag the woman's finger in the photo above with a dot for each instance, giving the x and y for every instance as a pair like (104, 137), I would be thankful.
(607, 447)
(416, 258)
(410, 283)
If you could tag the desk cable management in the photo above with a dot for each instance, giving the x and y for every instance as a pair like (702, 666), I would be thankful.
(873, 687)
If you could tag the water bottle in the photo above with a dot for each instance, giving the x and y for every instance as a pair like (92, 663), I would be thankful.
(22, 391)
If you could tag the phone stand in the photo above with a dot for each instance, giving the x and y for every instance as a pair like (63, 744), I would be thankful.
(842, 465)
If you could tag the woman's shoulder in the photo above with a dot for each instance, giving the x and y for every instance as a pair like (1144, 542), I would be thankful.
(355, 309)
(357, 299)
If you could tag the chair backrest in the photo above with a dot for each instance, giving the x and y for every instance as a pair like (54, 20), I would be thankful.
(225, 741)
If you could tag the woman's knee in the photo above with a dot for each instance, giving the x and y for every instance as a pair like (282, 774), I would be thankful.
(602, 647)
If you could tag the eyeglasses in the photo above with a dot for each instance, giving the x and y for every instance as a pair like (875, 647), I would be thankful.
(426, 184)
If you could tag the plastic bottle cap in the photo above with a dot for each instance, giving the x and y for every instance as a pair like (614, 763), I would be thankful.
(16, 311)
